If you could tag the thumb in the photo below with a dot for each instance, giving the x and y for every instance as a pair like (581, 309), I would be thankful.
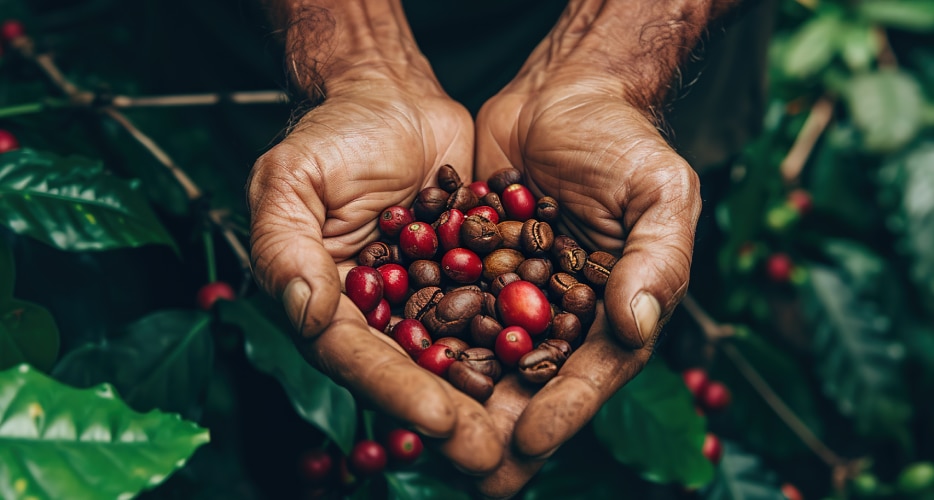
(290, 261)
(652, 275)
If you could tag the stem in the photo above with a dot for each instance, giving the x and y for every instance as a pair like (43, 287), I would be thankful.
(811, 131)
(209, 254)
(32, 107)
(247, 97)
(368, 424)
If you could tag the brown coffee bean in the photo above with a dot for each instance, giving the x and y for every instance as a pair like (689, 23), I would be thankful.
(375, 254)
(463, 199)
(483, 360)
(502, 260)
(504, 177)
(424, 273)
(489, 304)
(453, 343)
(510, 230)
(448, 178)
(453, 312)
(580, 299)
(571, 257)
(430, 203)
(567, 327)
(493, 200)
(546, 209)
(502, 280)
(542, 363)
(422, 301)
(536, 237)
(395, 254)
(469, 381)
(538, 271)
(484, 329)
(480, 234)
(598, 266)
(560, 283)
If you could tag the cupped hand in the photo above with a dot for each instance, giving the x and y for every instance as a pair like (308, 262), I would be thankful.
(315, 199)
(620, 188)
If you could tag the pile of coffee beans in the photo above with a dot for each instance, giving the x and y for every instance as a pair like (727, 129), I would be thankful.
(482, 281)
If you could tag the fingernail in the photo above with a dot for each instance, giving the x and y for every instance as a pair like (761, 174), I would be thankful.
(647, 311)
(295, 298)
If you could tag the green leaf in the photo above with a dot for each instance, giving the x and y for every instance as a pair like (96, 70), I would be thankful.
(411, 485)
(741, 476)
(28, 334)
(651, 425)
(73, 204)
(886, 107)
(7, 271)
(858, 359)
(812, 47)
(762, 430)
(911, 15)
(60, 442)
(163, 361)
(859, 46)
(316, 398)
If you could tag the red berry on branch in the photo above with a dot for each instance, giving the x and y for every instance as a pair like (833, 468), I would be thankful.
(412, 335)
(209, 294)
(404, 445)
(364, 286)
(712, 448)
(8, 141)
(791, 492)
(315, 466)
(367, 458)
(779, 267)
(696, 380)
(437, 359)
(11, 29)
(800, 200)
(716, 396)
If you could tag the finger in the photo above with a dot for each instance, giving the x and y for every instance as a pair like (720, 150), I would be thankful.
(290, 261)
(474, 446)
(347, 352)
(661, 212)
(509, 400)
(593, 373)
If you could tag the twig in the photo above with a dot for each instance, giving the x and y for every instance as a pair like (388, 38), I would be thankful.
(712, 330)
(81, 97)
(245, 97)
(811, 131)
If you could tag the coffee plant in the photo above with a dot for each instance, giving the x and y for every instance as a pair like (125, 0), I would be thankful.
(138, 359)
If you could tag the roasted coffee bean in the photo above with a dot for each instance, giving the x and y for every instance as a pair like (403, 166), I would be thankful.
(510, 230)
(463, 199)
(502, 280)
(424, 273)
(480, 234)
(536, 237)
(453, 343)
(560, 283)
(375, 254)
(598, 266)
(542, 363)
(422, 301)
(483, 360)
(580, 299)
(448, 178)
(571, 257)
(502, 260)
(489, 304)
(429, 203)
(473, 383)
(504, 177)
(546, 209)
(538, 271)
(453, 313)
(484, 329)
(395, 254)
(493, 201)
(567, 327)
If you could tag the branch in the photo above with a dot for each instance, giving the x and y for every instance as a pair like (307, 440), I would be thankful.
(811, 131)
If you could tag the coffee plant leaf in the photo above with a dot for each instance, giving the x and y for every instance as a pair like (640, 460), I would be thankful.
(742, 476)
(413, 485)
(887, 108)
(762, 431)
(812, 47)
(317, 399)
(161, 361)
(60, 442)
(73, 204)
(28, 334)
(651, 425)
(909, 15)
(857, 356)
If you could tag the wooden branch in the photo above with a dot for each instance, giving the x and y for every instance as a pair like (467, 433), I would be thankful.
(814, 126)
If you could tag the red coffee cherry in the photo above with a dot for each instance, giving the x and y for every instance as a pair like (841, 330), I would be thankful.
(449, 228)
(8, 141)
(315, 466)
(393, 219)
(511, 344)
(486, 212)
(404, 445)
(518, 202)
(778, 267)
(395, 283)
(367, 458)
(380, 315)
(437, 359)
(209, 294)
(712, 448)
(791, 492)
(418, 241)
(364, 286)
(462, 265)
(716, 396)
(521, 303)
(800, 200)
(11, 29)
(412, 335)
(696, 380)
(479, 188)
